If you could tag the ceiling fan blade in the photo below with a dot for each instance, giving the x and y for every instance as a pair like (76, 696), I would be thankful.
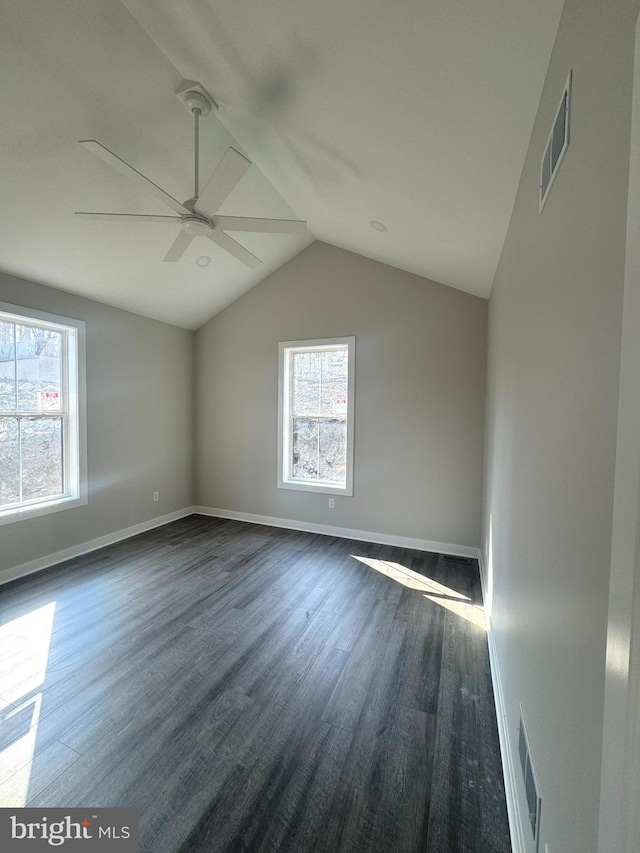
(229, 244)
(264, 226)
(226, 175)
(128, 217)
(125, 169)
(179, 246)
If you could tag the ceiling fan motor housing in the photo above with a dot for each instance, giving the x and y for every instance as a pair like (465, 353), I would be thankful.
(196, 225)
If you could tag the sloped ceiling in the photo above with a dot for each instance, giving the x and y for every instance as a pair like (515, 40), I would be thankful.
(416, 114)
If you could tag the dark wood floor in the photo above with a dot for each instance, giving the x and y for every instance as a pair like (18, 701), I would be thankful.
(249, 688)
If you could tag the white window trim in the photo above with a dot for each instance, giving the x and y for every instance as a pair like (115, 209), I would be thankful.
(284, 396)
(75, 462)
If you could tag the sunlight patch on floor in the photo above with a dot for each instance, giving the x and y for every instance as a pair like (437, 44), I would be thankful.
(446, 597)
(16, 754)
(25, 645)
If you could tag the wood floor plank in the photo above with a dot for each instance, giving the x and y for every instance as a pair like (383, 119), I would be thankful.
(425, 638)
(393, 814)
(249, 688)
(347, 700)
(470, 778)
(348, 826)
(241, 813)
(303, 811)
(392, 750)
(371, 743)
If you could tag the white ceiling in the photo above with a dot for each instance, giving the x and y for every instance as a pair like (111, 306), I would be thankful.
(416, 113)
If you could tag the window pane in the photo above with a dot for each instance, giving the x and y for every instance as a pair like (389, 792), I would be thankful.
(7, 367)
(41, 457)
(333, 385)
(305, 449)
(306, 383)
(319, 449)
(9, 462)
(333, 451)
(320, 383)
(39, 368)
(558, 137)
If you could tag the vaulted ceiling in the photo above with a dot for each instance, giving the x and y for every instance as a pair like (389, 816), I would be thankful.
(416, 114)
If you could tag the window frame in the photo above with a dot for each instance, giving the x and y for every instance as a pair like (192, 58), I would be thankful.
(548, 149)
(286, 349)
(74, 438)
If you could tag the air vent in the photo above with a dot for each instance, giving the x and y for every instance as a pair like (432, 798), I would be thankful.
(557, 144)
(530, 785)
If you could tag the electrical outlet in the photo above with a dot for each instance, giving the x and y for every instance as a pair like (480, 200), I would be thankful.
(332, 503)
(156, 496)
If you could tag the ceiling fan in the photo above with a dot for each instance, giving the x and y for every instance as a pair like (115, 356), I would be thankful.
(197, 216)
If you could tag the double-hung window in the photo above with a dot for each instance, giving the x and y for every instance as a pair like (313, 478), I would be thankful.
(315, 423)
(42, 442)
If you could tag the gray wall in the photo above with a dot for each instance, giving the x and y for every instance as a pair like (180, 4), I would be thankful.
(139, 424)
(553, 369)
(420, 368)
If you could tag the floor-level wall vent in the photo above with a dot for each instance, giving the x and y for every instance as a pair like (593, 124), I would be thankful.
(530, 785)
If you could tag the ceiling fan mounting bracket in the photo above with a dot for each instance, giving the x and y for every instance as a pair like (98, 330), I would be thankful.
(193, 96)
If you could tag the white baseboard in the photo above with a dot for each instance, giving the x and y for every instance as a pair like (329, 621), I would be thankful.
(343, 532)
(508, 763)
(93, 545)
(49, 560)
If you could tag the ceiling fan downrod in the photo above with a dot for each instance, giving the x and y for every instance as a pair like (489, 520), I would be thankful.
(196, 113)
(199, 105)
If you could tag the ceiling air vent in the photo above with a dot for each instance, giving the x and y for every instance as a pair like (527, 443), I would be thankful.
(557, 144)
(530, 785)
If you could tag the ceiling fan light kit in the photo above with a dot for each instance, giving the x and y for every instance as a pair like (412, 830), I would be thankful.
(197, 216)
(197, 226)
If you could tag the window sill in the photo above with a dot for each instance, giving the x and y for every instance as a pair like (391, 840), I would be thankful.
(35, 511)
(297, 486)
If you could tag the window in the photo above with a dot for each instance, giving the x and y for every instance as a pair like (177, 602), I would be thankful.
(42, 440)
(315, 424)
(557, 144)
